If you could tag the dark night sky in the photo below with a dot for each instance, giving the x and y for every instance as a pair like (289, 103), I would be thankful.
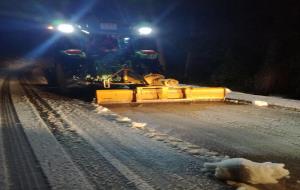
(250, 45)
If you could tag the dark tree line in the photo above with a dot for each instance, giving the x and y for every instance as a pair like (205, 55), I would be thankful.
(250, 46)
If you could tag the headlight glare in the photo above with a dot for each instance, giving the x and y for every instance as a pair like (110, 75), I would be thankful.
(65, 28)
(145, 31)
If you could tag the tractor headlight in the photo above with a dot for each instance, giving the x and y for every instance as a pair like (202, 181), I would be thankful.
(65, 28)
(145, 31)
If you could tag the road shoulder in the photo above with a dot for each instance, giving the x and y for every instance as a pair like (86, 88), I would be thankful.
(61, 172)
(270, 100)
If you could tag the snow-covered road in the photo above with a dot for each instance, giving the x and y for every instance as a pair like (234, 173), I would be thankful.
(79, 145)
(76, 148)
(224, 127)
(237, 130)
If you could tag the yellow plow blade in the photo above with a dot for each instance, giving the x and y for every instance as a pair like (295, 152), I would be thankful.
(153, 94)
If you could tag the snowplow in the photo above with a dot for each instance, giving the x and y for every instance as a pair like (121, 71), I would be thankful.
(123, 67)
(155, 94)
(156, 88)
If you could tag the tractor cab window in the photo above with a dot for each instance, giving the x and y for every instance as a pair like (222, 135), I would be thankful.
(70, 42)
(145, 44)
(100, 44)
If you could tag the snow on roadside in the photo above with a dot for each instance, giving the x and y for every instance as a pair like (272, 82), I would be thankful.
(149, 132)
(260, 103)
(95, 125)
(241, 173)
(270, 100)
(60, 170)
(269, 172)
(176, 143)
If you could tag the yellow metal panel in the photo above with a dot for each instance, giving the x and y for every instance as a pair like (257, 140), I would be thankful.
(148, 93)
(114, 96)
(176, 93)
(208, 93)
(160, 94)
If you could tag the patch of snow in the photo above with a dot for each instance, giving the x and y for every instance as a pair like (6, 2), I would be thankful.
(101, 109)
(260, 103)
(227, 90)
(195, 151)
(138, 125)
(274, 101)
(123, 119)
(173, 139)
(247, 171)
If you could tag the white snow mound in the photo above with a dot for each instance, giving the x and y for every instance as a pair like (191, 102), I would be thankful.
(243, 170)
(228, 90)
(101, 109)
(123, 119)
(138, 125)
(259, 103)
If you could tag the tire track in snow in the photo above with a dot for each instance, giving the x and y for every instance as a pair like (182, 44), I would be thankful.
(61, 171)
(22, 168)
(104, 171)
(103, 131)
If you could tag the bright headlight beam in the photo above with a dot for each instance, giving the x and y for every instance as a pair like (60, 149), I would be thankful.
(50, 27)
(65, 28)
(145, 30)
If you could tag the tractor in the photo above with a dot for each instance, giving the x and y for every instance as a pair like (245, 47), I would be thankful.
(122, 63)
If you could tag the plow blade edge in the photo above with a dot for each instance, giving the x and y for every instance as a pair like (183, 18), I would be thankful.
(156, 94)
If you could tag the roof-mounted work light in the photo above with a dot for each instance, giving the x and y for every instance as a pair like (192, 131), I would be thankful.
(145, 31)
(65, 28)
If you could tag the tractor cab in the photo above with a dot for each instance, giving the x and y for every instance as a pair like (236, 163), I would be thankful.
(91, 56)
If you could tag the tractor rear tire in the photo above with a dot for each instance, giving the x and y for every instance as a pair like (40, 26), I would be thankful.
(51, 77)
(61, 79)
